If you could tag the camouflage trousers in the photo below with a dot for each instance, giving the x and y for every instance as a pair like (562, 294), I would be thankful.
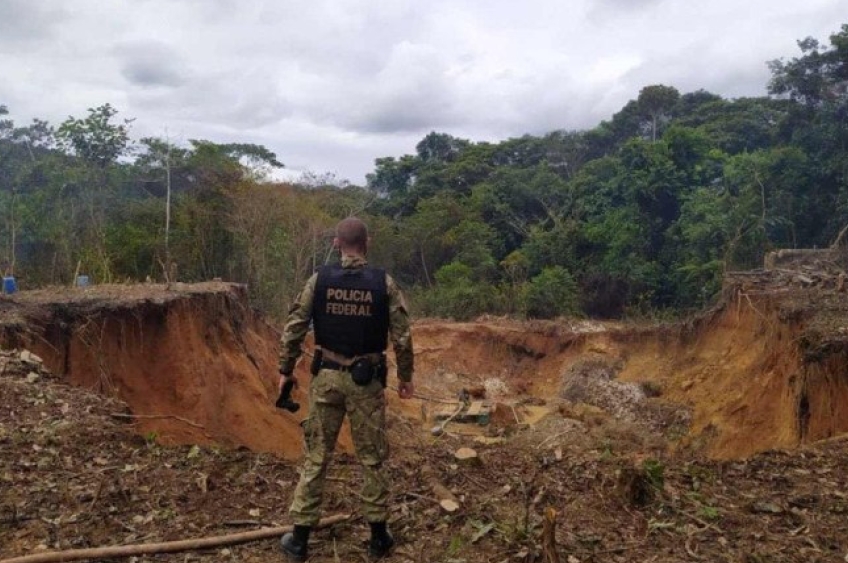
(332, 396)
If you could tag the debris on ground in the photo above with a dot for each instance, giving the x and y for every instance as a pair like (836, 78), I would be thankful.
(668, 443)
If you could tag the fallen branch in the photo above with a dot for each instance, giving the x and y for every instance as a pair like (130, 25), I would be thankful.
(422, 497)
(689, 550)
(832, 439)
(124, 416)
(549, 546)
(549, 439)
(425, 397)
(166, 547)
(700, 521)
(243, 523)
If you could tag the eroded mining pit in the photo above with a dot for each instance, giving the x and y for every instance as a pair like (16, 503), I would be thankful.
(195, 364)
(171, 389)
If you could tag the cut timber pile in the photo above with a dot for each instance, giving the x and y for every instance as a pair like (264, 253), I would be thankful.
(794, 268)
(760, 281)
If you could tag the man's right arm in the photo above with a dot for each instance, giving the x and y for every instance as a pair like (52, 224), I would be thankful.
(297, 325)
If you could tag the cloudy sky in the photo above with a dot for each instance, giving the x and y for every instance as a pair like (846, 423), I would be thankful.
(330, 85)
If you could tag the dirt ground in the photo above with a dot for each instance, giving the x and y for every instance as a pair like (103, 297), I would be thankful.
(148, 418)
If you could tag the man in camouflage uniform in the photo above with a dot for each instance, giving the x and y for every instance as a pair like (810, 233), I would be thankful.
(355, 309)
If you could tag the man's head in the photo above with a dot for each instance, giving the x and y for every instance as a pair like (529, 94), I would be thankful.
(352, 236)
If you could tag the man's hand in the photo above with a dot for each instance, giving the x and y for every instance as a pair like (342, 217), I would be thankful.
(406, 390)
(284, 401)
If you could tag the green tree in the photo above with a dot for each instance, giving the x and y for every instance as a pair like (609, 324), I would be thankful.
(656, 103)
(456, 294)
(8, 196)
(551, 294)
(818, 121)
(96, 139)
(440, 147)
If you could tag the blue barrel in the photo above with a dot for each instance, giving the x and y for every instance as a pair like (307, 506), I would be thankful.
(9, 285)
(82, 281)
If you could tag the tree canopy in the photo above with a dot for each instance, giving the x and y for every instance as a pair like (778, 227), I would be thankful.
(644, 212)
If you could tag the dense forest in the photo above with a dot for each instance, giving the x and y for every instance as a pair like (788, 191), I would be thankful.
(640, 215)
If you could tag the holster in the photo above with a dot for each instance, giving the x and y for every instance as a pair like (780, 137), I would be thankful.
(317, 359)
(382, 371)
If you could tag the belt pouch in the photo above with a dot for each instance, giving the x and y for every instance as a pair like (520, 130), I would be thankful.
(362, 371)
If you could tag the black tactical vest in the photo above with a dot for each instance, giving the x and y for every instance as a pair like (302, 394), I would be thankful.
(350, 310)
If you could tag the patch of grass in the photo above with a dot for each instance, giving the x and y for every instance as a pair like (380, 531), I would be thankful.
(655, 472)
(709, 513)
(698, 475)
(455, 545)
(516, 530)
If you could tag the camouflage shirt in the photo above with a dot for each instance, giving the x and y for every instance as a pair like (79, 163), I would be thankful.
(300, 315)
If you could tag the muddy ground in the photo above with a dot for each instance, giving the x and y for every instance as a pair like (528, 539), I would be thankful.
(720, 439)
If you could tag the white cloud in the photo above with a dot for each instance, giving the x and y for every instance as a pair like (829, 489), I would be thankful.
(330, 85)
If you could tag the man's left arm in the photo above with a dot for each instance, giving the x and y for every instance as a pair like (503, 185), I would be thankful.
(400, 334)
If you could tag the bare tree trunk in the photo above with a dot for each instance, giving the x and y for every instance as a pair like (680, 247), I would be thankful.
(839, 238)
(424, 265)
(168, 205)
(13, 233)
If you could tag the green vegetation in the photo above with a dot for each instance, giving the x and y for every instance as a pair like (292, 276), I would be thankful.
(643, 213)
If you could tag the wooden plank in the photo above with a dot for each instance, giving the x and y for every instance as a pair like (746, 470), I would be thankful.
(475, 409)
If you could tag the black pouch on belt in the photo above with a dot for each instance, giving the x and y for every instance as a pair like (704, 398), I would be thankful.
(361, 371)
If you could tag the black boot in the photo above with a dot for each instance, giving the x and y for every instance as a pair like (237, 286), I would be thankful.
(295, 543)
(381, 540)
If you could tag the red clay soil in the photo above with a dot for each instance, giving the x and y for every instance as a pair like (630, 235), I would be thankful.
(73, 476)
(193, 362)
(197, 365)
(763, 372)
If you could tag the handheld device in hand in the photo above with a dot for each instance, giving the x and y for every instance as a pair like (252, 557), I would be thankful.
(285, 401)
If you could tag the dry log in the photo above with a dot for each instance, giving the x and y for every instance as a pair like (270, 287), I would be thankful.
(125, 416)
(165, 547)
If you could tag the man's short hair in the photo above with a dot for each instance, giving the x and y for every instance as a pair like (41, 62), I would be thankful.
(352, 233)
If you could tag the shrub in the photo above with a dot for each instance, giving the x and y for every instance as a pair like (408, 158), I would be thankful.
(551, 294)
